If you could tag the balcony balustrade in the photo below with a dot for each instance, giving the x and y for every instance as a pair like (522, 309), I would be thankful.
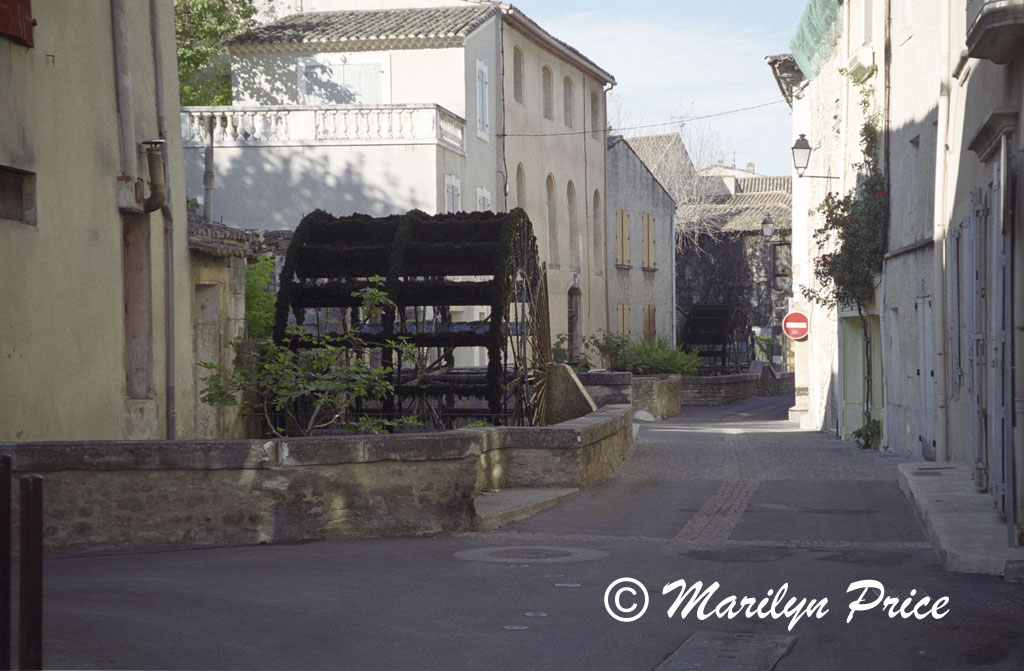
(293, 125)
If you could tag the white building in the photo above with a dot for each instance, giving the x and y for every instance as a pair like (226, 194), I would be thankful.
(383, 107)
(946, 79)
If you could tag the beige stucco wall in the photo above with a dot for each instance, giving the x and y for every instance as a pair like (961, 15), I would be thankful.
(548, 147)
(62, 341)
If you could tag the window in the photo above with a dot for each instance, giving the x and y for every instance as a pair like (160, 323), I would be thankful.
(549, 112)
(344, 79)
(868, 20)
(598, 233)
(483, 199)
(595, 116)
(782, 262)
(17, 196)
(452, 194)
(622, 238)
(520, 187)
(622, 318)
(567, 101)
(517, 74)
(649, 231)
(650, 324)
(574, 227)
(483, 126)
(16, 21)
(550, 208)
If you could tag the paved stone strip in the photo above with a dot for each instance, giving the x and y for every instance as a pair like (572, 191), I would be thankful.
(728, 651)
(720, 514)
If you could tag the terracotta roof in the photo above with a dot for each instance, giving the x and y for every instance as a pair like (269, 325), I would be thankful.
(744, 211)
(370, 26)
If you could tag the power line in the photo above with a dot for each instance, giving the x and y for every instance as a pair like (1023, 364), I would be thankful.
(674, 122)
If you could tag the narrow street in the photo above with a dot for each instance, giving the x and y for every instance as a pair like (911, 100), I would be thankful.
(734, 495)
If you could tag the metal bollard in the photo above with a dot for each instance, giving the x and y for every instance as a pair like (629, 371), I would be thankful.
(5, 562)
(30, 586)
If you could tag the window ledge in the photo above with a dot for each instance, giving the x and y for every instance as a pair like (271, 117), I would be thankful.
(623, 266)
(648, 269)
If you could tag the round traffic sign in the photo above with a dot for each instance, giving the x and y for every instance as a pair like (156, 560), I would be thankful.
(796, 325)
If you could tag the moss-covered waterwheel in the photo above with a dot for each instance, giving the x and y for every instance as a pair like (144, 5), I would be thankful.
(433, 266)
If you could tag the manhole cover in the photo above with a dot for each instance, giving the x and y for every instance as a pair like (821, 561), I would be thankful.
(535, 554)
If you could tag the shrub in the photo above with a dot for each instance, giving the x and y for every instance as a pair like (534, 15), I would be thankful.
(641, 358)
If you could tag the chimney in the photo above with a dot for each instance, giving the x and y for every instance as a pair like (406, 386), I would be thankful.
(750, 167)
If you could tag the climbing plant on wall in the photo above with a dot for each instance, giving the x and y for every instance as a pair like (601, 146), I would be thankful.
(852, 240)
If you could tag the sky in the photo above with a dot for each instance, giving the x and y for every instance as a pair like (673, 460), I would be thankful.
(679, 59)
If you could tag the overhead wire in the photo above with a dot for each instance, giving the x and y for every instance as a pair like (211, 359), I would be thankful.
(674, 122)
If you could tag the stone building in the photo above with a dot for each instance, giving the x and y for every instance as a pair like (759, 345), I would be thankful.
(95, 342)
(733, 262)
(945, 80)
(640, 233)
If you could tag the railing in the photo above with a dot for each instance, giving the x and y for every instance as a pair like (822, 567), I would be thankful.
(323, 125)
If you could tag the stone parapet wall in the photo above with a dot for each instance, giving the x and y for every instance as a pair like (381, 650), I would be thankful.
(660, 395)
(608, 387)
(724, 389)
(145, 493)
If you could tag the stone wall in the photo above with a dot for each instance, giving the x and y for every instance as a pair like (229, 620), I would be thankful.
(724, 389)
(608, 387)
(131, 494)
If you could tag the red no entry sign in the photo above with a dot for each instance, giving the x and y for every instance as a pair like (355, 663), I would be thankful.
(796, 325)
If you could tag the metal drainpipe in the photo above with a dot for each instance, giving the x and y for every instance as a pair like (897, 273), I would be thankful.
(156, 32)
(604, 138)
(123, 74)
(938, 239)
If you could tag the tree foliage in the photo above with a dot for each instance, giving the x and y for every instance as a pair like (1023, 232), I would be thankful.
(302, 392)
(259, 299)
(201, 27)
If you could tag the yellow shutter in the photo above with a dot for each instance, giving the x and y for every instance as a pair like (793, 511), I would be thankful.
(622, 317)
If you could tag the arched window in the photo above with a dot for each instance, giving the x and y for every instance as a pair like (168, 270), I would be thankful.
(551, 220)
(549, 112)
(567, 101)
(517, 74)
(599, 232)
(574, 227)
(595, 116)
(520, 187)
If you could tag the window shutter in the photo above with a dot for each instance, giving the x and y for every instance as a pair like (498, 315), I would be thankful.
(626, 240)
(16, 20)
(650, 329)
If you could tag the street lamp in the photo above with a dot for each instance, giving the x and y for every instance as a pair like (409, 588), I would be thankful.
(767, 226)
(802, 158)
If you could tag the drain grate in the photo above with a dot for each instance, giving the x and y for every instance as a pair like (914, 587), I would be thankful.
(722, 651)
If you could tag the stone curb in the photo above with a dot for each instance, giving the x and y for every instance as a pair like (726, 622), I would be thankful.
(496, 509)
(960, 521)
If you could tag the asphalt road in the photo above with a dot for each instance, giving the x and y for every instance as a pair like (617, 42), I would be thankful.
(732, 495)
